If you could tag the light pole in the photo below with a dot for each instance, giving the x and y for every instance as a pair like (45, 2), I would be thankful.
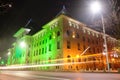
(96, 7)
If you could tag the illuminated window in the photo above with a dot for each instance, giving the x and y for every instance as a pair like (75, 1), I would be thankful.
(73, 35)
(68, 45)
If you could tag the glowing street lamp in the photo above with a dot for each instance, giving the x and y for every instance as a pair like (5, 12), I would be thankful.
(96, 8)
(23, 44)
(9, 53)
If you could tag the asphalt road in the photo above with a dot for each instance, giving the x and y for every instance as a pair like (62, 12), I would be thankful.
(38, 75)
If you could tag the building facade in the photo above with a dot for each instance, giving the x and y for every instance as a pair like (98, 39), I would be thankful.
(63, 44)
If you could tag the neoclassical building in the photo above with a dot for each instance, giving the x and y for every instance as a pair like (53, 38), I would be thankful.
(63, 44)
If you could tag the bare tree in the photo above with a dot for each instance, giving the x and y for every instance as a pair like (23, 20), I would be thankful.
(111, 17)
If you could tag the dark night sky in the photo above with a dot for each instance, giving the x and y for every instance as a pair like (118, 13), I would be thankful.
(41, 12)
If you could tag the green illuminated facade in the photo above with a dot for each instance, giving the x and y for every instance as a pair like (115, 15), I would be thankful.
(40, 48)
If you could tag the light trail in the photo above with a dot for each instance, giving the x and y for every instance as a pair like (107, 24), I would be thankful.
(43, 65)
(80, 57)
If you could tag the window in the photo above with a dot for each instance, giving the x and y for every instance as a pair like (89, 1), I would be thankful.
(78, 46)
(68, 58)
(29, 53)
(94, 50)
(79, 60)
(46, 50)
(50, 37)
(84, 47)
(90, 50)
(83, 38)
(40, 42)
(98, 50)
(88, 40)
(58, 33)
(68, 32)
(77, 35)
(73, 35)
(42, 50)
(43, 42)
(93, 41)
(68, 45)
(49, 47)
(34, 53)
(58, 45)
(39, 51)
(97, 42)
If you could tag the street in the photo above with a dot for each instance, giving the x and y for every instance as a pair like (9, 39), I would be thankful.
(38, 75)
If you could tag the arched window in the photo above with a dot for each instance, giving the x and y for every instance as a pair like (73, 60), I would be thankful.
(68, 58)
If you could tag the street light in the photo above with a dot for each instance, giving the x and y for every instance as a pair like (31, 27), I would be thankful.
(23, 44)
(96, 7)
(9, 53)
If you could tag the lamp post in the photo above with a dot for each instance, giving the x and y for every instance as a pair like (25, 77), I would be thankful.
(96, 7)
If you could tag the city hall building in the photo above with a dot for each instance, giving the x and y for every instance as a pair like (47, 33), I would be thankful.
(63, 44)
